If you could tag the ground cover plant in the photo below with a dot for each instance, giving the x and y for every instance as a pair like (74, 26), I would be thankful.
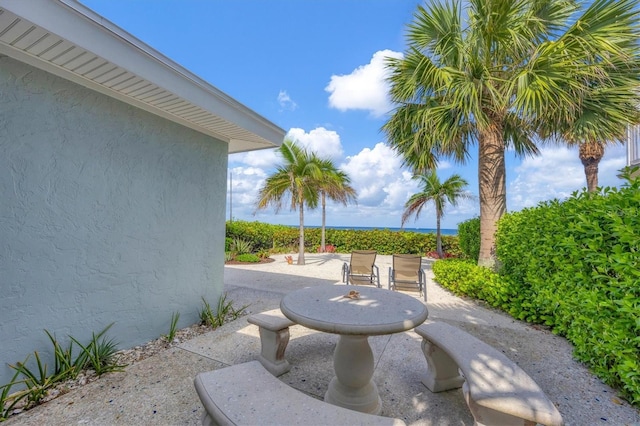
(575, 267)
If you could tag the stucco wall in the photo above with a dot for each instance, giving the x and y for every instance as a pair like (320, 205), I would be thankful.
(107, 214)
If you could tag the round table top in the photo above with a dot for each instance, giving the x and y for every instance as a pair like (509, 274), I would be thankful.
(376, 311)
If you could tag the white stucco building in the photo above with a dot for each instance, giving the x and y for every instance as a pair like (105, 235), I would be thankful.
(633, 146)
(113, 164)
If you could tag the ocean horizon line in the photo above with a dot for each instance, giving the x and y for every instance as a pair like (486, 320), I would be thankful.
(443, 231)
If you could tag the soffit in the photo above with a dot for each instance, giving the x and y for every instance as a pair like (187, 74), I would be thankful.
(67, 39)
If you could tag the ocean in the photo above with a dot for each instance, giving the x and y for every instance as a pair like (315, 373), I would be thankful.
(406, 229)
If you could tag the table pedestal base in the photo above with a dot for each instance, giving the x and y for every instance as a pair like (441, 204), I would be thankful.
(352, 386)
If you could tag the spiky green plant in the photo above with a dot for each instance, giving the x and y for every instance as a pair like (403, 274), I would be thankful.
(37, 381)
(8, 400)
(100, 353)
(224, 310)
(173, 327)
(241, 246)
(66, 366)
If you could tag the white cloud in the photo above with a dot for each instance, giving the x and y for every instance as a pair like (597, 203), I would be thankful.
(615, 158)
(285, 101)
(325, 143)
(382, 183)
(556, 173)
(444, 164)
(264, 158)
(244, 182)
(379, 178)
(365, 88)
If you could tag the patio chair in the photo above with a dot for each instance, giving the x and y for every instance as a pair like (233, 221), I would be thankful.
(361, 269)
(407, 274)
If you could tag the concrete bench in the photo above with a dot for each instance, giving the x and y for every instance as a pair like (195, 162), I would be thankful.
(497, 391)
(247, 394)
(274, 337)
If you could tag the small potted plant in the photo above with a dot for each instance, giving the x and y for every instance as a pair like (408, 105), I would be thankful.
(289, 259)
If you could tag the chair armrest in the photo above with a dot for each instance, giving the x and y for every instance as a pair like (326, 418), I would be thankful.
(390, 277)
(345, 273)
(377, 275)
(423, 282)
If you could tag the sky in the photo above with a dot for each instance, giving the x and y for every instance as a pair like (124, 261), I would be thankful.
(315, 68)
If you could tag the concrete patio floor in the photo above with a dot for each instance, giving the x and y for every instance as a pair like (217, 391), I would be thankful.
(159, 390)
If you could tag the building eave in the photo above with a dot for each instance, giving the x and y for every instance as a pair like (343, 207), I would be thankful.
(68, 39)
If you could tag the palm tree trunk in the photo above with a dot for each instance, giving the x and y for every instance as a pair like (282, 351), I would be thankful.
(438, 236)
(590, 155)
(493, 190)
(323, 247)
(301, 243)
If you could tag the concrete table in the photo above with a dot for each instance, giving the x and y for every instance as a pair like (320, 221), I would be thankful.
(376, 312)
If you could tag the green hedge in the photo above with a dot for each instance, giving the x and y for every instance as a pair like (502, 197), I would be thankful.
(469, 237)
(574, 266)
(285, 238)
(581, 261)
(259, 234)
(465, 277)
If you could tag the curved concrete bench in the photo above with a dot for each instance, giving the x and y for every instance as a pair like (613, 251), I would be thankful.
(247, 394)
(497, 391)
(274, 337)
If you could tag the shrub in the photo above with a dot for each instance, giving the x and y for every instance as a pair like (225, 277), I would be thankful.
(577, 264)
(465, 277)
(328, 248)
(241, 246)
(263, 254)
(285, 239)
(247, 257)
(571, 265)
(435, 255)
(259, 234)
(469, 238)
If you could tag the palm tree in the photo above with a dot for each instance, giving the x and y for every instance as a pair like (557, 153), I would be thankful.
(441, 193)
(602, 120)
(334, 184)
(297, 179)
(493, 79)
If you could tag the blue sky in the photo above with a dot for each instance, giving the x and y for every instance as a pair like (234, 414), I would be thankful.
(315, 68)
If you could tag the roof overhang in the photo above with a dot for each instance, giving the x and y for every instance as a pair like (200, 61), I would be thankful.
(67, 39)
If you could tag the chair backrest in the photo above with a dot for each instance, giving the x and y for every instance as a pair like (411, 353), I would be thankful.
(362, 262)
(407, 266)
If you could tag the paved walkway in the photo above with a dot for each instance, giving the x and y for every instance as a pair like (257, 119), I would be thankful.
(159, 390)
